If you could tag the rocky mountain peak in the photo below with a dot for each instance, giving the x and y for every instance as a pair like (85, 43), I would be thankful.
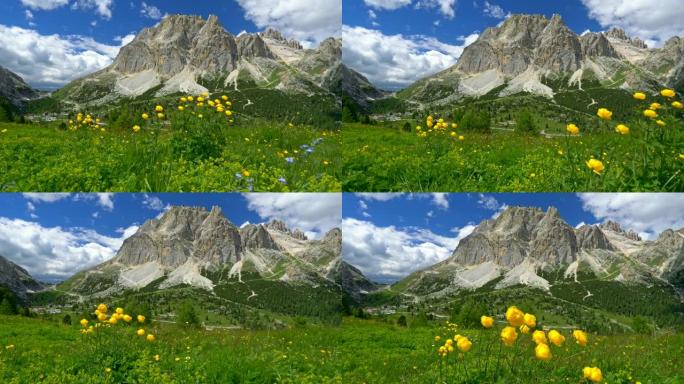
(596, 45)
(619, 34)
(275, 35)
(252, 45)
(257, 237)
(615, 227)
(591, 237)
(278, 225)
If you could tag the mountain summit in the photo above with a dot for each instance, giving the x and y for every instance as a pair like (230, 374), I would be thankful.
(533, 247)
(185, 53)
(201, 248)
(525, 50)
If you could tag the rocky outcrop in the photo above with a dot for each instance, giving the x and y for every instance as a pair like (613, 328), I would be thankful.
(257, 236)
(17, 279)
(591, 237)
(597, 45)
(14, 88)
(615, 227)
(250, 46)
(619, 34)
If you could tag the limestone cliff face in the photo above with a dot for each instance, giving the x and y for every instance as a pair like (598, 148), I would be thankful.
(14, 88)
(16, 278)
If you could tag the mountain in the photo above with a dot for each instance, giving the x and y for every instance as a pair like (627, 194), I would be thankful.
(190, 246)
(530, 247)
(17, 279)
(526, 53)
(347, 82)
(189, 54)
(14, 89)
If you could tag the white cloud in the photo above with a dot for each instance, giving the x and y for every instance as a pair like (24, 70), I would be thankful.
(642, 18)
(44, 5)
(395, 61)
(154, 203)
(493, 10)
(124, 40)
(446, 7)
(363, 205)
(440, 200)
(55, 253)
(314, 213)
(309, 21)
(391, 253)
(382, 196)
(28, 14)
(387, 4)
(45, 197)
(646, 213)
(50, 61)
(488, 202)
(101, 7)
(151, 12)
(104, 200)
(372, 14)
(30, 207)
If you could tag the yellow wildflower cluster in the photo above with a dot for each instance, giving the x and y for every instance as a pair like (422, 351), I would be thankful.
(194, 105)
(439, 127)
(118, 316)
(84, 121)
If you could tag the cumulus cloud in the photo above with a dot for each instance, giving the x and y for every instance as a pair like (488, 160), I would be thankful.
(56, 253)
(387, 4)
(101, 7)
(440, 200)
(151, 12)
(154, 203)
(640, 18)
(50, 61)
(395, 61)
(44, 5)
(646, 213)
(382, 196)
(445, 7)
(391, 253)
(309, 21)
(104, 200)
(45, 197)
(493, 10)
(314, 213)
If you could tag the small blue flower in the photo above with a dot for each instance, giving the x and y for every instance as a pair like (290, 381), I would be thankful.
(238, 176)
(310, 150)
(304, 146)
(290, 160)
(282, 180)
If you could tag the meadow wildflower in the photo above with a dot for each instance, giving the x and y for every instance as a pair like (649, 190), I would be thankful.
(604, 114)
(539, 337)
(140, 332)
(509, 335)
(556, 338)
(136, 128)
(650, 113)
(572, 129)
(677, 105)
(655, 106)
(592, 374)
(622, 129)
(581, 337)
(669, 93)
(530, 320)
(639, 96)
(464, 344)
(145, 116)
(596, 166)
(151, 337)
(487, 321)
(542, 352)
(514, 316)
(661, 123)
(141, 319)
(84, 323)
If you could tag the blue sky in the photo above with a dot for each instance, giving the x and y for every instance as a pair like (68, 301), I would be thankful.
(55, 235)
(51, 42)
(388, 236)
(396, 42)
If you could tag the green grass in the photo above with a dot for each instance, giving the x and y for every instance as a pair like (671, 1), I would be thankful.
(384, 157)
(184, 156)
(358, 351)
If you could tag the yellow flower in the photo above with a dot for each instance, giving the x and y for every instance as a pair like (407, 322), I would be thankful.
(655, 106)
(141, 319)
(119, 311)
(84, 323)
(677, 105)
(224, 97)
(102, 308)
(108, 370)
(640, 96)
(661, 123)
(487, 321)
(461, 138)
(581, 337)
(157, 357)
(604, 114)
(524, 329)
(454, 125)
(464, 344)
(113, 320)
(572, 129)
(542, 352)
(509, 335)
(145, 116)
(151, 338)
(140, 332)
(514, 316)
(442, 351)
(136, 128)
(530, 320)
(592, 374)
(539, 337)
(681, 156)
(190, 98)
(622, 129)
(159, 108)
(229, 113)
(183, 99)
(101, 317)
(437, 338)
(650, 113)
(200, 99)
(127, 318)
(596, 166)
(556, 338)
(667, 93)
(449, 342)
(160, 116)
(181, 108)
